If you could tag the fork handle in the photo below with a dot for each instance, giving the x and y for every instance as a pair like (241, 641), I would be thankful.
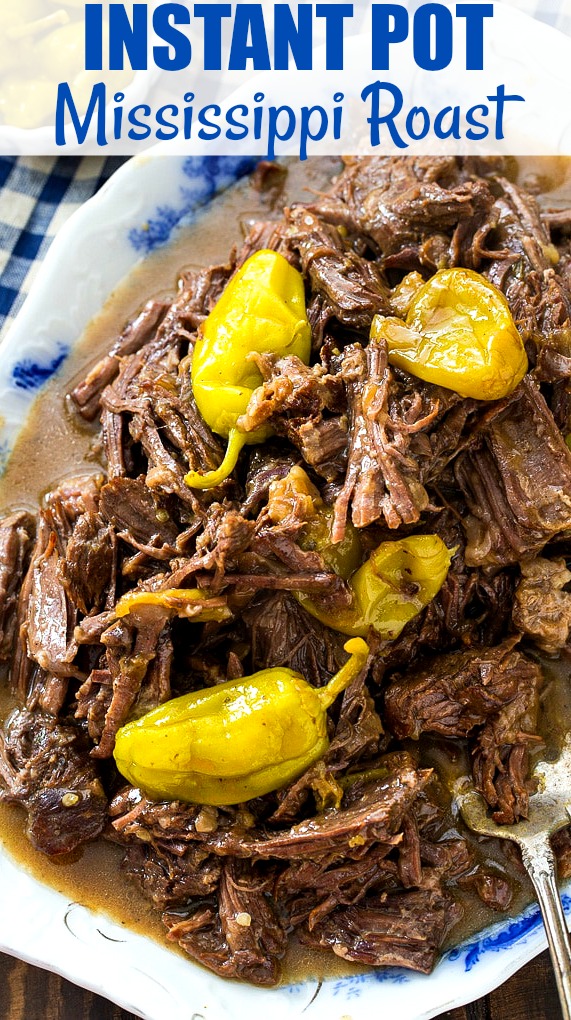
(539, 862)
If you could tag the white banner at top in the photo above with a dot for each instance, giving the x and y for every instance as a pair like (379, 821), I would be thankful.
(274, 79)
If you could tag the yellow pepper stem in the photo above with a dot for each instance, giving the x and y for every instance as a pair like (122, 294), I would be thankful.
(359, 651)
(195, 480)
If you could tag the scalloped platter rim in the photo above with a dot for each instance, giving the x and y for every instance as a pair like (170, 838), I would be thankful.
(140, 208)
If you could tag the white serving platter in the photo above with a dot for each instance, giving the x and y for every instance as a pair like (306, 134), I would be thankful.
(140, 208)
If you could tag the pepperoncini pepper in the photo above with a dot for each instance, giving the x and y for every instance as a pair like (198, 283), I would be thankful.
(261, 311)
(296, 494)
(239, 740)
(185, 602)
(397, 581)
(458, 333)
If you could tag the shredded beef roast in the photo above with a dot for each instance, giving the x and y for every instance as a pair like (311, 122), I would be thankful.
(45, 766)
(404, 929)
(413, 210)
(352, 288)
(542, 608)
(360, 855)
(524, 266)
(16, 533)
(241, 935)
(492, 697)
(516, 481)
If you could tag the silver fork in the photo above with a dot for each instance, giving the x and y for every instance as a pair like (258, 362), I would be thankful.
(549, 810)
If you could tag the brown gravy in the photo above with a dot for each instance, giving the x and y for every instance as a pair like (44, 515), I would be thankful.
(54, 445)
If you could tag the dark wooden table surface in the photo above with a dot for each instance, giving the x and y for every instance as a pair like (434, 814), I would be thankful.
(27, 993)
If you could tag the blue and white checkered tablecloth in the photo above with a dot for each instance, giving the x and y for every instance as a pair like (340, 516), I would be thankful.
(38, 194)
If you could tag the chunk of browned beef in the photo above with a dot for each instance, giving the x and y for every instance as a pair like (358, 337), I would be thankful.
(151, 403)
(138, 678)
(171, 877)
(86, 394)
(306, 405)
(311, 889)
(73, 497)
(240, 937)
(382, 479)
(225, 536)
(16, 534)
(372, 813)
(138, 517)
(494, 889)
(47, 612)
(516, 482)
(165, 471)
(352, 288)
(131, 648)
(375, 817)
(320, 883)
(323, 445)
(419, 210)
(472, 608)
(404, 929)
(139, 408)
(453, 693)
(524, 267)
(50, 616)
(93, 700)
(490, 695)
(250, 556)
(283, 634)
(46, 768)
(296, 569)
(358, 730)
(89, 562)
(293, 390)
(542, 609)
(199, 292)
(265, 234)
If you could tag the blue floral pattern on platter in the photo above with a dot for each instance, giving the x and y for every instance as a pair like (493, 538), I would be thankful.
(350, 987)
(205, 177)
(508, 935)
(29, 374)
